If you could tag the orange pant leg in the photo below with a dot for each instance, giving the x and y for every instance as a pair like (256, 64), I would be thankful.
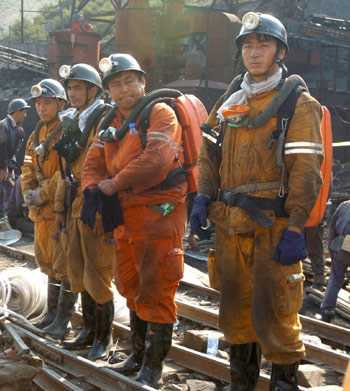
(149, 261)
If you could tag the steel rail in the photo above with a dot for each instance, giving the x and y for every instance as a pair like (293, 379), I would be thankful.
(46, 379)
(210, 318)
(17, 253)
(321, 329)
(214, 367)
(92, 373)
(336, 360)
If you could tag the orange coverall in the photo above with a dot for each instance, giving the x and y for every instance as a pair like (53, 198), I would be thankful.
(43, 173)
(149, 255)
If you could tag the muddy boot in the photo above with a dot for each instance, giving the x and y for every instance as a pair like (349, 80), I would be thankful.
(103, 340)
(157, 346)
(284, 377)
(53, 292)
(65, 311)
(245, 362)
(87, 334)
(132, 364)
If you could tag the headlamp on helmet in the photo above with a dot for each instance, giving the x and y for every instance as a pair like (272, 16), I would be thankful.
(105, 65)
(36, 91)
(251, 20)
(65, 71)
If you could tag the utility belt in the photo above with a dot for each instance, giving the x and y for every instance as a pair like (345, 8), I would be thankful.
(254, 205)
(71, 192)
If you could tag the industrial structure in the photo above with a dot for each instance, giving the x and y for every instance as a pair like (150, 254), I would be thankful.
(192, 48)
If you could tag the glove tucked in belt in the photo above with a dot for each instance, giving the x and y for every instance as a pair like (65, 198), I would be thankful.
(32, 199)
(91, 205)
(112, 215)
(109, 206)
(291, 248)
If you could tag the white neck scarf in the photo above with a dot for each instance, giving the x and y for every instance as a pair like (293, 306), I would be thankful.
(249, 90)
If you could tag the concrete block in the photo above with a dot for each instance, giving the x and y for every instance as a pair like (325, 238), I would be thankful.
(200, 385)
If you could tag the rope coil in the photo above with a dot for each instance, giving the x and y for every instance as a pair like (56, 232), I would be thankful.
(23, 293)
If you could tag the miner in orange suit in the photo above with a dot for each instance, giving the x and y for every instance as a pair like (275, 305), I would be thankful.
(149, 255)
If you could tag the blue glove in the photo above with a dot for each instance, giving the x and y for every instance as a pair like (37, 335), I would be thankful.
(291, 248)
(91, 205)
(198, 218)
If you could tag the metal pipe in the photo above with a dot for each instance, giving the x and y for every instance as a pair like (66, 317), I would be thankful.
(335, 76)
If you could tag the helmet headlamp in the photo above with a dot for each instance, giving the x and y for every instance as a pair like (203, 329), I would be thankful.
(105, 65)
(36, 91)
(250, 21)
(65, 71)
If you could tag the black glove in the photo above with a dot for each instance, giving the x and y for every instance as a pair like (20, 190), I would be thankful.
(291, 248)
(91, 205)
(112, 214)
(199, 216)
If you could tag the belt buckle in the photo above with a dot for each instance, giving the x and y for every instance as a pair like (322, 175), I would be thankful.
(227, 197)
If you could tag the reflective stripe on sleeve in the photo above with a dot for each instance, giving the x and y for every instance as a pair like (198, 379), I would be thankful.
(98, 145)
(303, 150)
(304, 144)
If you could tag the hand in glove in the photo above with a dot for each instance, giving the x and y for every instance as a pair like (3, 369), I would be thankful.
(112, 214)
(92, 204)
(199, 216)
(32, 199)
(291, 248)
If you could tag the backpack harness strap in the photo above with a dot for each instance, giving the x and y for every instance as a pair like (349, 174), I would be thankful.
(176, 175)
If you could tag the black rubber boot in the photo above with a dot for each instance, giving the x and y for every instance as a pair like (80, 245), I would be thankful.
(53, 292)
(65, 311)
(87, 334)
(327, 315)
(103, 340)
(245, 362)
(157, 346)
(132, 364)
(284, 377)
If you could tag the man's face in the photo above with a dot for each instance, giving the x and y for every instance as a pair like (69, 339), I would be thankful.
(19, 116)
(77, 93)
(46, 108)
(126, 89)
(258, 53)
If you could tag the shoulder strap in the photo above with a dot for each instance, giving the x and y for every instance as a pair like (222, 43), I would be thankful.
(284, 118)
(145, 115)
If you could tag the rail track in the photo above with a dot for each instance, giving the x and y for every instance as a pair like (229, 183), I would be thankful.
(213, 367)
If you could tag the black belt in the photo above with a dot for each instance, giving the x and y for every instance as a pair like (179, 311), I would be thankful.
(253, 205)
